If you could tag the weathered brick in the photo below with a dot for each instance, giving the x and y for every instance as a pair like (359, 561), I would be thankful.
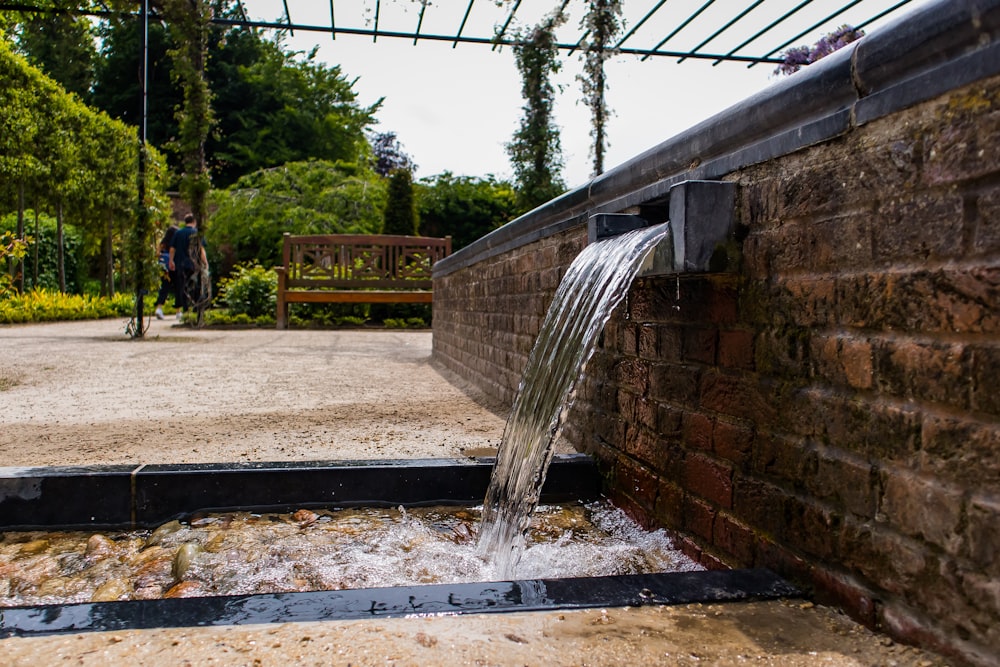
(709, 479)
(985, 372)
(649, 342)
(733, 442)
(960, 148)
(736, 349)
(699, 517)
(895, 238)
(896, 562)
(811, 528)
(952, 300)
(638, 482)
(697, 431)
(982, 533)
(675, 383)
(962, 450)
(644, 446)
(761, 505)
(846, 481)
(783, 352)
(669, 509)
(735, 538)
(736, 395)
(929, 371)
(986, 237)
(632, 374)
(843, 360)
(700, 345)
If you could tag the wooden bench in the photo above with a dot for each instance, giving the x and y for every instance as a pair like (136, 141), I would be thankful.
(355, 268)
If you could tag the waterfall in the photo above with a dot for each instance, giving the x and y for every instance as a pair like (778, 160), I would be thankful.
(595, 283)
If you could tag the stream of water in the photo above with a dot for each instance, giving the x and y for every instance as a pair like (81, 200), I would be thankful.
(595, 283)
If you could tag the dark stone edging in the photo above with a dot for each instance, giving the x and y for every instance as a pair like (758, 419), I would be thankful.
(438, 599)
(91, 497)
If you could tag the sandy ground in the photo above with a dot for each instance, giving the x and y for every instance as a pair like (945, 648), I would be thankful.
(82, 393)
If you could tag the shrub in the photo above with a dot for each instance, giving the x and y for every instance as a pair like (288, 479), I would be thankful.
(251, 290)
(49, 306)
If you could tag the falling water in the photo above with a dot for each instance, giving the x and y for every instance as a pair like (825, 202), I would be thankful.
(596, 282)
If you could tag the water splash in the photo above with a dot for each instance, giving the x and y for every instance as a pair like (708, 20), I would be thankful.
(595, 283)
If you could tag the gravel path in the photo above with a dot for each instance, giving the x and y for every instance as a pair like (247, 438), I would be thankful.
(80, 393)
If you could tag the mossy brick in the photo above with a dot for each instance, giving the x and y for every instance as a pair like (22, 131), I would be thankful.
(926, 370)
(882, 555)
(943, 300)
(632, 374)
(642, 444)
(783, 352)
(761, 505)
(982, 535)
(649, 342)
(811, 527)
(897, 239)
(734, 538)
(675, 383)
(986, 379)
(961, 147)
(669, 509)
(803, 301)
(922, 507)
(845, 481)
(986, 235)
(960, 449)
(670, 342)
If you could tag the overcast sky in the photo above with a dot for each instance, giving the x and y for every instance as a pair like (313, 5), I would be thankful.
(455, 108)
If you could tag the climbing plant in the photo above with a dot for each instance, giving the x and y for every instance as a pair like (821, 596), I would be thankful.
(188, 21)
(602, 23)
(535, 150)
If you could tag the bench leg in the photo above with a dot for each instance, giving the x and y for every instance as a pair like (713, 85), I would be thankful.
(282, 315)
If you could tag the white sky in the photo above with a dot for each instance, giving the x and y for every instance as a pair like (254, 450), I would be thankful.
(455, 108)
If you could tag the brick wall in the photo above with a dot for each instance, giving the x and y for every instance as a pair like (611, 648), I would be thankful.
(832, 410)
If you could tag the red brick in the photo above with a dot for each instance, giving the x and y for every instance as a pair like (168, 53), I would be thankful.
(844, 592)
(699, 517)
(700, 345)
(736, 539)
(670, 505)
(697, 430)
(709, 479)
(632, 374)
(733, 442)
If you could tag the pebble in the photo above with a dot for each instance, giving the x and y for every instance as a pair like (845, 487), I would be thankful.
(183, 558)
(111, 591)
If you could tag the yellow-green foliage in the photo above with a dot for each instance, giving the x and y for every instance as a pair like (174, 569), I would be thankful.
(49, 306)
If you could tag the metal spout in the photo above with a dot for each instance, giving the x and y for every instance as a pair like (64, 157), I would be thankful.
(702, 224)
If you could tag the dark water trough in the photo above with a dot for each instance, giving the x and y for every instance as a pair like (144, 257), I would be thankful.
(125, 497)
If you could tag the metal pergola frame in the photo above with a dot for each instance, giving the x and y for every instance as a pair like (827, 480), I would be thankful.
(626, 45)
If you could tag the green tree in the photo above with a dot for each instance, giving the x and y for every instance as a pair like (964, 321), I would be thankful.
(535, 150)
(313, 197)
(61, 45)
(464, 207)
(400, 207)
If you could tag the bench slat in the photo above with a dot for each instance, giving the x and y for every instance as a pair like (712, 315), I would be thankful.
(361, 269)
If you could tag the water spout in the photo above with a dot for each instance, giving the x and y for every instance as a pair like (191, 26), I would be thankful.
(701, 221)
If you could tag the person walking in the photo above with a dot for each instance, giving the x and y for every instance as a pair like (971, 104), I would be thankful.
(187, 258)
(168, 278)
